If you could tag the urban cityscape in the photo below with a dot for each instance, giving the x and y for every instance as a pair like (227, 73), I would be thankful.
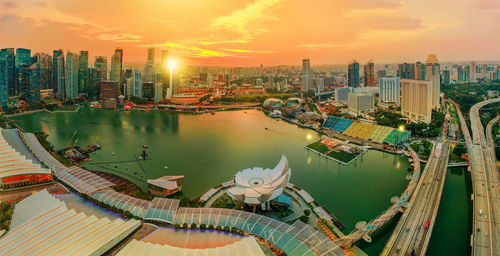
(260, 127)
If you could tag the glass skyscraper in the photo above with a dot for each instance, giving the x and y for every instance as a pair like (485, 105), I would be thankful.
(353, 74)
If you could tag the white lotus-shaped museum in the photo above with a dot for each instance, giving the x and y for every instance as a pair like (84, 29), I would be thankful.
(256, 186)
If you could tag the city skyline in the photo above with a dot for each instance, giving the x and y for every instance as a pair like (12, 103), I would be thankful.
(250, 33)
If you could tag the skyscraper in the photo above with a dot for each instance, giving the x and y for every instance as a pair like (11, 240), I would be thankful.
(370, 74)
(307, 78)
(406, 71)
(353, 74)
(44, 65)
(432, 73)
(116, 66)
(3, 81)
(446, 77)
(23, 62)
(60, 81)
(137, 84)
(151, 55)
(10, 72)
(55, 56)
(390, 89)
(101, 65)
(420, 71)
(71, 75)
(83, 72)
(33, 92)
(416, 100)
(164, 71)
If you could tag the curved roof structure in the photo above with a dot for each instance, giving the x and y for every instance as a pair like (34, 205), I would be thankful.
(248, 246)
(257, 186)
(43, 225)
(12, 163)
(272, 102)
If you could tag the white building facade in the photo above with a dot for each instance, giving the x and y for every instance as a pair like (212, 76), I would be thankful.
(360, 102)
(390, 90)
(416, 100)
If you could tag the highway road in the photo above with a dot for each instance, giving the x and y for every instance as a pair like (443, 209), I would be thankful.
(413, 232)
(486, 189)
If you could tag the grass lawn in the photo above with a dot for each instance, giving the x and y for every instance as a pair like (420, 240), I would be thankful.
(319, 147)
(342, 156)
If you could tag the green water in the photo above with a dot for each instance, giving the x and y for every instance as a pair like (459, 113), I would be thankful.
(210, 149)
(451, 234)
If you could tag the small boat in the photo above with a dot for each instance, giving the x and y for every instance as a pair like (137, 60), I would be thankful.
(145, 146)
(165, 167)
(266, 128)
(112, 153)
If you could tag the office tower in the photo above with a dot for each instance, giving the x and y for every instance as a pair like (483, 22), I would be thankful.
(406, 71)
(10, 70)
(94, 83)
(358, 103)
(33, 92)
(320, 86)
(23, 62)
(307, 77)
(148, 90)
(109, 92)
(446, 77)
(353, 74)
(149, 71)
(416, 100)
(4, 96)
(137, 83)
(390, 89)
(369, 73)
(151, 55)
(83, 72)
(164, 71)
(44, 65)
(116, 66)
(420, 71)
(61, 83)
(341, 94)
(101, 66)
(158, 93)
(433, 73)
(55, 56)
(71, 75)
(381, 74)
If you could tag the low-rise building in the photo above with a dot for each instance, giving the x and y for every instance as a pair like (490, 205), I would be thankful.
(165, 185)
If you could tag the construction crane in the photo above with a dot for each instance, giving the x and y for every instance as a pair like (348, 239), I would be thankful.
(93, 143)
(70, 140)
(70, 151)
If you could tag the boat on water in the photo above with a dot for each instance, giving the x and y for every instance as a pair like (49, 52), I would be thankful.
(165, 167)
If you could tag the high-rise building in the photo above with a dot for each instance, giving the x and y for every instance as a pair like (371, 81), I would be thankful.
(83, 73)
(164, 71)
(149, 71)
(33, 93)
(151, 55)
(390, 89)
(341, 94)
(416, 100)
(259, 82)
(406, 71)
(358, 103)
(320, 84)
(94, 83)
(44, 65)
(353, 74)
(307, 76)
(158, 93)
(446, 77)
(116, 66)
(3, 82)
(23, 63)
(420, 71)
(137, 83)
(55, 56)
(369, 73)
(61, 81)
(109, 92)
(71, 69)
(148, 90)
(472, 72)
(10, 70)
(433, 73)
(101, 66)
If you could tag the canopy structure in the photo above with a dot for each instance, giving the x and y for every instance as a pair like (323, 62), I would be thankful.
(162, 209)
(295, 239)
(246, 247)
(42, 225)
(135, 206)
(256, 186)
(82, 180)
(16, 170)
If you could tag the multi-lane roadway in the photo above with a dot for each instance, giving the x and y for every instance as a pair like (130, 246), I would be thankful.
(413, 232)
(485, 182)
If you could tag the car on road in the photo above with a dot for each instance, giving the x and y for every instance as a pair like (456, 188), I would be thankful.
(427, 224)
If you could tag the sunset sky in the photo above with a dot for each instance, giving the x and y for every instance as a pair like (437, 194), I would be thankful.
(254, 32)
